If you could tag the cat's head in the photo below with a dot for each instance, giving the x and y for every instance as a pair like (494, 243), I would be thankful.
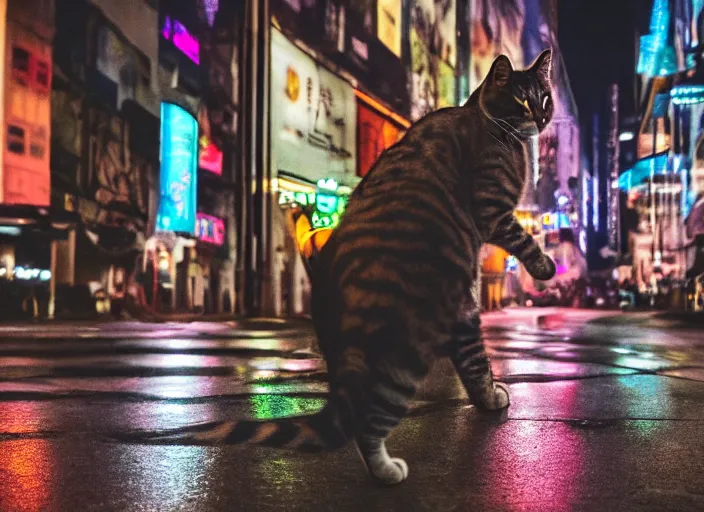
(519, 101)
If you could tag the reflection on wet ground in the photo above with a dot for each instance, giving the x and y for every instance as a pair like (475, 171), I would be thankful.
(601, 417)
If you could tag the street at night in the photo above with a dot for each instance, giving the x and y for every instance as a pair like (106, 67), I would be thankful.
(351, 255)
(606, 414)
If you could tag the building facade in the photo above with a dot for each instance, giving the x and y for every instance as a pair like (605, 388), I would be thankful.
(119, 178)
(663, 188)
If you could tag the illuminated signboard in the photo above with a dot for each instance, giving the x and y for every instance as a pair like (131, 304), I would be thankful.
(210, 229)
(329, 206)
(174, 31)
(325, 206)
(209, 156)
(376, 133)
(313, 116)
(25, 174)
(179, 153)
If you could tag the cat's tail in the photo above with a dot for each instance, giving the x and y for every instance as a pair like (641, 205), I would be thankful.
(309, 240)
(323, 431)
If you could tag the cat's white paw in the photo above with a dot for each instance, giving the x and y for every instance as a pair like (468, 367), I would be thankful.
(500, 400)
(393, 471)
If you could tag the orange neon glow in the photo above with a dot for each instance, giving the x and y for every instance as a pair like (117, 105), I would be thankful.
(382, 109)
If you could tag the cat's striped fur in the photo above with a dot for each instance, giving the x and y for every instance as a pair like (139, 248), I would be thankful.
(391, 285)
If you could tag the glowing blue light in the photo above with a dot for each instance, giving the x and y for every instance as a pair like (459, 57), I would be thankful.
(656, 56)
(179, 164)
(687, 94)
(10, 230)
(595, 203)
(30, 274)
(642, 171)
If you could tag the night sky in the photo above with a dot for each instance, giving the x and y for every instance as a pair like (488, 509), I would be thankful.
(598, 42)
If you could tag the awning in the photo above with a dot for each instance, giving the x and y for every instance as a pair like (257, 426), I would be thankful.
(642, 170)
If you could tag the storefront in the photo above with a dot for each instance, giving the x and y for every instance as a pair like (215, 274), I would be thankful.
(313, 159)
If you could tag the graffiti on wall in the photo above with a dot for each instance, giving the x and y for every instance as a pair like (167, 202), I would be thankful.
(120, 178)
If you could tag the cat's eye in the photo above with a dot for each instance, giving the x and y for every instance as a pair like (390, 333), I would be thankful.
(546, 101)
(524, 103)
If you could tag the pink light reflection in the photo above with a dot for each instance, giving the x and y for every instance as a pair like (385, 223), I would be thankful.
(537, 462)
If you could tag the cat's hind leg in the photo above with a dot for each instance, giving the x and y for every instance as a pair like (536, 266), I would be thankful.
(387, 397)
(472, 364)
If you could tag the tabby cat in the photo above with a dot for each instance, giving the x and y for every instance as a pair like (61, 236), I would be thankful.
(391, 285)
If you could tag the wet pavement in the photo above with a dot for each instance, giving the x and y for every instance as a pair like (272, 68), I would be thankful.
(605, 415)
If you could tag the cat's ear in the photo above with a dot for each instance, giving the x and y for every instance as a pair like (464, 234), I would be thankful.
(500, 73)
(543, 65)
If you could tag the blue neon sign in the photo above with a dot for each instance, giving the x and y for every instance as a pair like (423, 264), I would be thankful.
(179, 165)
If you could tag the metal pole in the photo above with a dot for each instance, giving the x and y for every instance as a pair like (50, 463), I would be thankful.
(255, 150)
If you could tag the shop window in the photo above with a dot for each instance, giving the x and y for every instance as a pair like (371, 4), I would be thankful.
(21, 65)
(41, 74)
(16, 139)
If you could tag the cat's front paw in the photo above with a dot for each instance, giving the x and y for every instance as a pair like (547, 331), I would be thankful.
(391, 472)
(493, 398)
(499, 399)
(542, 269)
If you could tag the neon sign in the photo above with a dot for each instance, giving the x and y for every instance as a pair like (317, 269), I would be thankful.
(179, 153)
(32, 274)
(210, 229)
(329, 206)
(174, 31)
(209, 156)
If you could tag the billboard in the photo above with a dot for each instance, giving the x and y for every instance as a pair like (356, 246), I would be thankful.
(376, 133)
(496, 28)
(313, 116)
(210, 229)
(178, 176)
(188, 44)
(26, 175)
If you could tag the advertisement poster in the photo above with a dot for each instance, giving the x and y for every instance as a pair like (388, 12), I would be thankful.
(25, 171)
(376, 133)
(179, 162)
(496, 28)
(388, 25)
(313, 116)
